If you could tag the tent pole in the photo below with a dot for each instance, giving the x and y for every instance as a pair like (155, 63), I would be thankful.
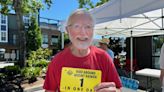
(62, 30)
(131, 55)
(162, 18)
(62, 40)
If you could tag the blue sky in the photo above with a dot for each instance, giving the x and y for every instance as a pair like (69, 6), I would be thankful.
(61, 9)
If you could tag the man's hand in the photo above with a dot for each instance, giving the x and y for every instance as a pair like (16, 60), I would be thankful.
(106, 87)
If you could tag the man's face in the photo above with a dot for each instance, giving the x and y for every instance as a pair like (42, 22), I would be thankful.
(102, 46)
(81, 31)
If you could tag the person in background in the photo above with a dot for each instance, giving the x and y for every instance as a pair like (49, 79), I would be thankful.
(161, 60)
(80, 54)
(67, 43)
(104, 42)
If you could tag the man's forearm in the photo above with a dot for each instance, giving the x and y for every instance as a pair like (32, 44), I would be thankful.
(162, 75)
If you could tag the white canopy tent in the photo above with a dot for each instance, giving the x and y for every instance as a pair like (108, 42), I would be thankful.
(146, 24)
(128, 18)
(117, 9)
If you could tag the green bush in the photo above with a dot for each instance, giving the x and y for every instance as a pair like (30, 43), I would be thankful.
(36, 64)
(12, 70)
(40, 54)
(38, 58)
(31, 72)
(2, 75)
(29, 63)
(42, 63)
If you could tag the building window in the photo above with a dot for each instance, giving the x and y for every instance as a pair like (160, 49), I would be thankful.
(26, 20)
(54, 40)
(3, 27)
(14, 39)
(45, 38)
(3, 36)
(3, 19)
(157, 42)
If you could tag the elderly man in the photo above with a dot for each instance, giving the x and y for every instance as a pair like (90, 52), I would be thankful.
(81, 55)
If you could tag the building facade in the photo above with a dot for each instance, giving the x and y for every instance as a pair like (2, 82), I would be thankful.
(9, 36)
(51, 36)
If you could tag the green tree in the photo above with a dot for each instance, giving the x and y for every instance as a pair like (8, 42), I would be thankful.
(34, 39)
(22, 7)
(88, 4)
(66, 36)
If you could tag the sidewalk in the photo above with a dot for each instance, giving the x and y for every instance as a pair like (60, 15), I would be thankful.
(34, 87)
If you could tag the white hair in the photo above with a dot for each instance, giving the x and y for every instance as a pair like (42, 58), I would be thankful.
(79, 11)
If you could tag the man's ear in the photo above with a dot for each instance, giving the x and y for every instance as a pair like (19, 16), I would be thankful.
(67, 30)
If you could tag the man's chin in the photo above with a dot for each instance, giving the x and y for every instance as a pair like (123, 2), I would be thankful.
(82, 47)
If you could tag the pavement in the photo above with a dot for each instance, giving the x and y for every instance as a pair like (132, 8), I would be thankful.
(34, 87)
(40, 91)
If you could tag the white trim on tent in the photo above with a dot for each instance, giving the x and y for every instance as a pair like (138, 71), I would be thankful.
(114, 15)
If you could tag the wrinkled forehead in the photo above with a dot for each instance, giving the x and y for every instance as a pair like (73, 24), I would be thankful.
(80, 18)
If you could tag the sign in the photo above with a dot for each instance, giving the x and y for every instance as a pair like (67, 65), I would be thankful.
(79, 80)
(7, 55)
(44, 45)
(2, 51)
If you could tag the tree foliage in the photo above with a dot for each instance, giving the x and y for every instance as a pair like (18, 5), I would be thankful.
(40, 54)
(21, 8)
(34, 38)
(66, 36)
(24, 6)
(88, 4)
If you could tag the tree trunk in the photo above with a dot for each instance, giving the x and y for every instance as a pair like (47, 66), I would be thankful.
(21, 33)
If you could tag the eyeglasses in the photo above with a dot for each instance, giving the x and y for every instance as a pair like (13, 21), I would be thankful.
(78, 26)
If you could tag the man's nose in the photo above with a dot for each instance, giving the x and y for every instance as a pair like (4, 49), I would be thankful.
(83, 30)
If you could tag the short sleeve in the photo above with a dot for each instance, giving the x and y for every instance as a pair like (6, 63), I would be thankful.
(50, 80)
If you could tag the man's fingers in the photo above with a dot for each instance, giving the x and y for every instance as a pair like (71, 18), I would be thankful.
(105, 85)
